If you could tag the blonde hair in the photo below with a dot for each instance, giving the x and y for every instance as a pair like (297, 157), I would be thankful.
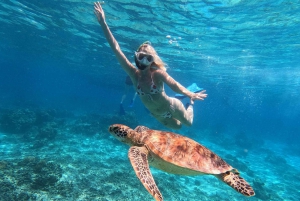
(158, 63)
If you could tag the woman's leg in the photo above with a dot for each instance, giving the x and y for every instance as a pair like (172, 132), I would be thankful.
(184, 115)
(168, 122)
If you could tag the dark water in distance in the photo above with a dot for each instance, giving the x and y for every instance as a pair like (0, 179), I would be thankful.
(244, 53)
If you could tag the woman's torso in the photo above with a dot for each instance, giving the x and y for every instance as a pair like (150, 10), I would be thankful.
(151, 91)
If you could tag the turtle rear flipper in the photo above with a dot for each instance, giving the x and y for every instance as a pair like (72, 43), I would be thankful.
(138, 157)
(238, 183)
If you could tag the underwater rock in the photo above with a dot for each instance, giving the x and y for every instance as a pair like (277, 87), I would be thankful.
(3, 165)
(260, 190)
(43, 116)
(37, 144)
(86, 124)
(24, 120)
(48, 131)
(275, 159)
(17, 121)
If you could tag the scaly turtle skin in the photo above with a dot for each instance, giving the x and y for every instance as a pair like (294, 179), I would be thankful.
(174, 154)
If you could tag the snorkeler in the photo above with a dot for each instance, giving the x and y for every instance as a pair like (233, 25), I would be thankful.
(128, 85)
(149, 78)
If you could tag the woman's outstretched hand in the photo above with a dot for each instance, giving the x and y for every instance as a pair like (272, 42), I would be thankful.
(99, 12)
(199, 96)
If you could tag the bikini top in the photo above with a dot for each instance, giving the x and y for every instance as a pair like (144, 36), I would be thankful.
(153, 89)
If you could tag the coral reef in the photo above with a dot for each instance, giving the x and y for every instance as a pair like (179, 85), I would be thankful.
(23, 120)
(86, 124)
(48, 131)
(45, 124)
(17, 121)
(29, 173)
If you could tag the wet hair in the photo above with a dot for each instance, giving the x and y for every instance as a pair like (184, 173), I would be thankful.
(158, 63)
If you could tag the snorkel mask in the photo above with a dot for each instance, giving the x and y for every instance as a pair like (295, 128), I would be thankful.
(142, 59)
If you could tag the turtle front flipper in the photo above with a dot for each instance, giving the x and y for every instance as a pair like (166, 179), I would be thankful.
(138, 157)
(238, 183)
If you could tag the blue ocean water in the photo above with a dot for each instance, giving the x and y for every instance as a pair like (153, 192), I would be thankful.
(61, 86)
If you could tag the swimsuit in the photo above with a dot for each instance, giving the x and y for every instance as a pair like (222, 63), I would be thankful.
(153, 90)
(166, 115)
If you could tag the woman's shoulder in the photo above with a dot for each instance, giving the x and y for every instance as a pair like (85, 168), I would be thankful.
(159, 75)
(158, 71)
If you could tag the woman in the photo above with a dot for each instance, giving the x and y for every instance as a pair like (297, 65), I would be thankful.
(149, 80)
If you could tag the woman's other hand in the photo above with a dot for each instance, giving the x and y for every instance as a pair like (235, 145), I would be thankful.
(99, 12)
(198, 96)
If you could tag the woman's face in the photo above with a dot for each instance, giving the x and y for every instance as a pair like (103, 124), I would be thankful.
(143, 58)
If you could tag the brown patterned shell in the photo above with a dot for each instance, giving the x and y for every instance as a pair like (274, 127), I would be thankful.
(182, 151)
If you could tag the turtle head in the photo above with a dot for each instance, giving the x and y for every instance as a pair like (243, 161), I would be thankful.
(120, 132)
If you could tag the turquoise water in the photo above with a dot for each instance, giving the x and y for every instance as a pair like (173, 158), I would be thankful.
(61, 86)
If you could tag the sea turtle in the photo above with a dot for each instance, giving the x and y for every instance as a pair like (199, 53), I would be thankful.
(176, 154)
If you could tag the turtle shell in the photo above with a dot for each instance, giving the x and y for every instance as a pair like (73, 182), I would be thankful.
(176, 150)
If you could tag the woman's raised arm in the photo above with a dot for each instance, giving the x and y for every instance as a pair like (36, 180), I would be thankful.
(125, 63)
